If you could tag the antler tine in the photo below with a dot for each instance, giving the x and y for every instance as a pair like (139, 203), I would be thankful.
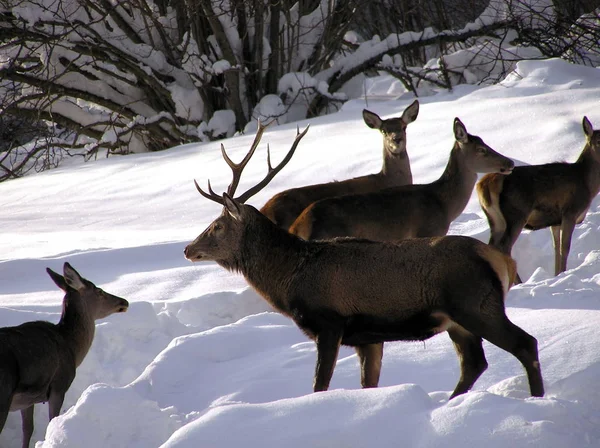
(210, 195)
(273, 171)
(237, 168)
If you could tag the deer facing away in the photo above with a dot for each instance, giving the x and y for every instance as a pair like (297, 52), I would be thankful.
(555, 195)
(284, 207)
(38, 359)
(362, 293)
(411, 210)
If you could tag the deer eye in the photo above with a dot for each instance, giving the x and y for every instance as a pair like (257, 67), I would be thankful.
(482, 150)
(217, 227)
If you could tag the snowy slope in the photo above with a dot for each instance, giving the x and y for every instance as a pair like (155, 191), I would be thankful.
(200, 361)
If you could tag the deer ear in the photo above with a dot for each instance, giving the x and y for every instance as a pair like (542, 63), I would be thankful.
(460, 132)
(588, 129)
(372, 119)
(58, 279)
(72, 277)
(232, 207)
(411, 112)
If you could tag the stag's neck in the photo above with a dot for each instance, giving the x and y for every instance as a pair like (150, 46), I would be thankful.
(396, 169)
(591, 169)
(77, 326)
(268, 260)
(456, 184)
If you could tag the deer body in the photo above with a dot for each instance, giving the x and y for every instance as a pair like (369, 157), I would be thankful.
(555, 195)
(407, 211)
(285, 207)
(38, 359)
(363, 293)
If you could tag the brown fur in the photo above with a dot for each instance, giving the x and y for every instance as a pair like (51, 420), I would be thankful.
(407, 211)
(363, 293)
(285, 207)
(555, 195)
(38, 359)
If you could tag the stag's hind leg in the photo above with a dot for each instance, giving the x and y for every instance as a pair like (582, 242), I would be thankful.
(470, 356)
(370, 356)
(504, 334)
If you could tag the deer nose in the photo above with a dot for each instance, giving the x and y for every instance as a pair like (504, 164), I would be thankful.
(123, 305)
(185, 251)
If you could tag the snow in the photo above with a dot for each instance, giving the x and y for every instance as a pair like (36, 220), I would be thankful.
(199, 359)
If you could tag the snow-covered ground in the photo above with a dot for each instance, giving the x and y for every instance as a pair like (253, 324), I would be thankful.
(199, 360)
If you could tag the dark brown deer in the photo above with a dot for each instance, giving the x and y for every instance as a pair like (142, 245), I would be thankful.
(38, 359)
(362, 293)
(284, 207)
(555, 195)
(408, 211)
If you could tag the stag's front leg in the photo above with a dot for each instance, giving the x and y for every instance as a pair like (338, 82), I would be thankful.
(370, 356)
(328, 345)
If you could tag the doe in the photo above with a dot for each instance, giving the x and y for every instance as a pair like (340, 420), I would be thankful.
(556, 195)
(38, 359)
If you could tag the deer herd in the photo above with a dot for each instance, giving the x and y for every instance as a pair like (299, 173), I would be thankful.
(358, 262)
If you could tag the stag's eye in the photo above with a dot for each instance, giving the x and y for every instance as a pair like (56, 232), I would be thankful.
(481, 150)
(217, 227)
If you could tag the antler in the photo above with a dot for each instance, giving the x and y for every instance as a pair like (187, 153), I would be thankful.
(237, 168)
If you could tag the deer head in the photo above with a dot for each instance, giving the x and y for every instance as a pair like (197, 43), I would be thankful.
(393, 129)
(478, 156)
(98, 303)
(224, 236)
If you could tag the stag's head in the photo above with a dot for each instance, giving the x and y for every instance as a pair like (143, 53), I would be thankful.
(223, 239)
(393, 129)
(478, 156)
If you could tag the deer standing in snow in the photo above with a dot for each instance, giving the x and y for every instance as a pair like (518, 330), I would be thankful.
(38, 359)
(411, 210)
(555, 195)
(284, 207)
(363, 293)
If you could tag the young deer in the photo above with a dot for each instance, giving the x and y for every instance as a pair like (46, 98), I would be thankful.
(362, 293)
(411, 210)
(38, 359)
(555, 195)
(284, 207)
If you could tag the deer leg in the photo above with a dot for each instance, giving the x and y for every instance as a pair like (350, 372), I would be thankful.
(370, 363)
(566, 232)
(328, 346)
(504, 334)
(27, 425)
(55, 402)
(470, 356)
(556, 244)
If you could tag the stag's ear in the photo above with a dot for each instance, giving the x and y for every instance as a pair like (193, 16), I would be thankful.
(460, 132)
(58, 279)
(588, 129)
(411, 112)
(232, 207)
(372, 119)
(72, 277)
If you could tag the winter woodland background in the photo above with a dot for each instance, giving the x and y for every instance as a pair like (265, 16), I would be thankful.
(199, 359)
(91, 78)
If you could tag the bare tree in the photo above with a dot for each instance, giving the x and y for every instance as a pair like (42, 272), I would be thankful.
(106, 77)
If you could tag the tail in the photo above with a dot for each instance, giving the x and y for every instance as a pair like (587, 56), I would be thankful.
(488, 189)
(503, 265)
(303, 225)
